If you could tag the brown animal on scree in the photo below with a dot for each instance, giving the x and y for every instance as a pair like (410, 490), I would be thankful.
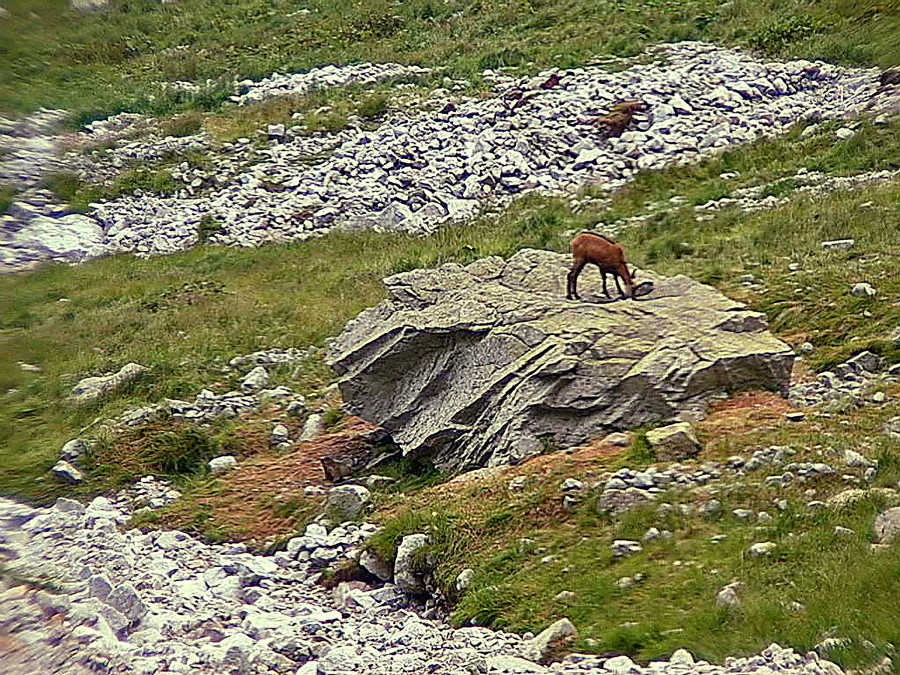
(607, 255)
(620, 117)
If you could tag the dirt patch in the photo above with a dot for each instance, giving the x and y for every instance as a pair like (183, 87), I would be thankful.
(263, 498)
(743, 413)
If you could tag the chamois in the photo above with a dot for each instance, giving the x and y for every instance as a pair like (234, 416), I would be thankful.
(607, 255)
(620, 117)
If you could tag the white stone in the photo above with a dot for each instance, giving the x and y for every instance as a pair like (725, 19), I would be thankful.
(221, 464)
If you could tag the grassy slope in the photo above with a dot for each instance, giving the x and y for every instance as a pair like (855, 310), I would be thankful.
(187, 314)
(113, 60)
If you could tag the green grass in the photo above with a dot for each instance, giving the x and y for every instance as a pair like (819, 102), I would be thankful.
(104, 62)
(832, 578)
(69, 188)
(189, 313)
(7, 194)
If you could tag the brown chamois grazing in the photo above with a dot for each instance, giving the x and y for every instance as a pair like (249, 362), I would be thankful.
(607, 255)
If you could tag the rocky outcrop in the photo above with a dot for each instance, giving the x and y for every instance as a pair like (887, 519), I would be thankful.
(486, 364)
(91, 389)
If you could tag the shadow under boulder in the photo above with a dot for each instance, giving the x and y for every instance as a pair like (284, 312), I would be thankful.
(486, 364)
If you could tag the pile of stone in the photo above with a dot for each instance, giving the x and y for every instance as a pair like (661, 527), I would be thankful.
(804, 182)
(271, 357)
(321, 547)
(206, 407)
(846, 382)
(297, 84)
(413, 174)
(626, 488)
(149, 492)
(164, 602)
(774, 658)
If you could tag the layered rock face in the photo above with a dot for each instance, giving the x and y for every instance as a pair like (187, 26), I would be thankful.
(487, 364)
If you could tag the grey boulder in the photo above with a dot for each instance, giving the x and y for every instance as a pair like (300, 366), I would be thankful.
(346, 502)
(887, 526)
(673, 442)
(67, 473)
(90, 389)
(406, 574)
(484, 364)
(73, 237)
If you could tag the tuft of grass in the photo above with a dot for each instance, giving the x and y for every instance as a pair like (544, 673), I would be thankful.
(185, 124)
(640, 451)
(168, 448)
(69, 187)
(332, 418)
(209, 227)
(411, 474)
(7, 196)
(373, 106)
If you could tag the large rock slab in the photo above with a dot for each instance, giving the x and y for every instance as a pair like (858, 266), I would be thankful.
(91, 389)
(486, 364)
(74, 237)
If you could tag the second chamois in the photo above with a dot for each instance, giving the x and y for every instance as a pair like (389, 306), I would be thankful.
(607, 255)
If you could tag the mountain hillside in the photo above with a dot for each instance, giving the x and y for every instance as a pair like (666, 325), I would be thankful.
(292, 384)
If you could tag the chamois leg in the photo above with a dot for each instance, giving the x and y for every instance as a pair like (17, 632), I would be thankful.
(572, 279)
(603, 276)
(628, 278)
(618, 288)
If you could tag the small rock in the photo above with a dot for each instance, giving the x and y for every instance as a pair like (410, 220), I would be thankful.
(256, 379)
(838, 244)
(673, 442)
(73, 450)
(570, 484)
(854, 459)
(313, 428)
(375, 565)
(346, 502)
(221, 464)
(625, 583)
(279, 434)
(67, 473)
(406, 576)
(728, 597)
(375, 482)
(464, 579)
(762, 549)
(540, 645)
(90, 389)
(887, 526)
(863, 290)
(682, 657)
